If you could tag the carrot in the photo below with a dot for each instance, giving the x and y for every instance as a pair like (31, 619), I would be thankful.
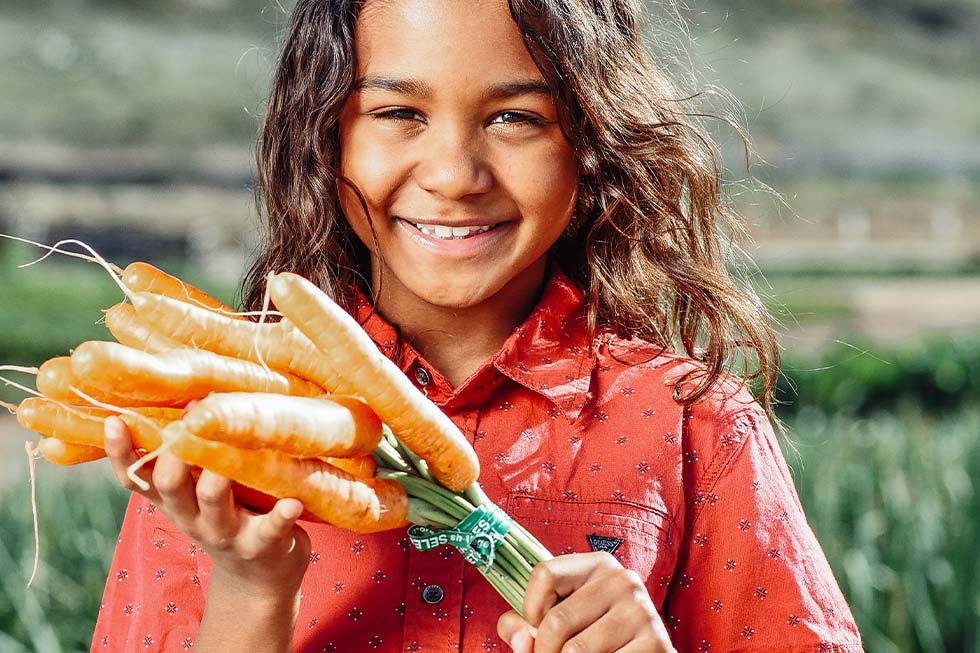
(358, 466)
(177, 376)
(83, 425)
(334, 496)
(298, 426)
(54, 378)
(143, 277)
(60, 452)
(131, 330)
(278, 345)
(417, 422)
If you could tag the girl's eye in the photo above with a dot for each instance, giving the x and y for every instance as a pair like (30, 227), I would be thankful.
(517, 118)
(396, 115)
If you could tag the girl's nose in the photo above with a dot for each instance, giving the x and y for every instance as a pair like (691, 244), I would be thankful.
(454, 166)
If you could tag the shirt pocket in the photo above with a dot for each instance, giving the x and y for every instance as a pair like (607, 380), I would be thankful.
(638, 536)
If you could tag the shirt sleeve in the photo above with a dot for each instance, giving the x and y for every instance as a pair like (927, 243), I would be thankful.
(153, 597)
(751, 575)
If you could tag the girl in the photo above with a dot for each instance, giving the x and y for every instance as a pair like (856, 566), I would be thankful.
(510, 198)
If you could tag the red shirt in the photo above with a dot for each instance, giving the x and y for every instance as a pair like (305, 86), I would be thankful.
(575, 439)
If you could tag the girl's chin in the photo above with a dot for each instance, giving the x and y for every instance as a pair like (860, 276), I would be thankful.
(445, 289)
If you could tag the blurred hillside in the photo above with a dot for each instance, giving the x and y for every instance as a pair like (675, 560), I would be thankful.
(845, 88)
(131, 123)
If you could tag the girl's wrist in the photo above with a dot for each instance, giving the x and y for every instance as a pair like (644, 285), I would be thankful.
(276, 598)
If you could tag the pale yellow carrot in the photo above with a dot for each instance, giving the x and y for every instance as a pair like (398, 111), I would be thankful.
(131, 330)
(299, 426)
(367, 373)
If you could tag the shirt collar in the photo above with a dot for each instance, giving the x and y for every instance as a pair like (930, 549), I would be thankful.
(550, 353)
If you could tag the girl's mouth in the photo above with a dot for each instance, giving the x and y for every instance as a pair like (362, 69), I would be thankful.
(455, 241)
(445, 232)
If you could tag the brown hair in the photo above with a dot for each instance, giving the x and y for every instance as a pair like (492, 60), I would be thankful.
(649, 243)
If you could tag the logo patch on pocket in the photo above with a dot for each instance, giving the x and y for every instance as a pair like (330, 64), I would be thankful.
(604, 543)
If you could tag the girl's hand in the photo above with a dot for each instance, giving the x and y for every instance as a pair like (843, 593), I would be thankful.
(265, 555)
(603, 608)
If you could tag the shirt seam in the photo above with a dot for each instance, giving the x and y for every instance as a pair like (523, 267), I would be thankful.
(715, 469)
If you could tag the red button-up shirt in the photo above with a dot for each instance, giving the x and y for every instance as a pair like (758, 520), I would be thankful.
(576, 438)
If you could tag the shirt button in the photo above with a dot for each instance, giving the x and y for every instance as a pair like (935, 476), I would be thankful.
(422, 376)
(433, 594)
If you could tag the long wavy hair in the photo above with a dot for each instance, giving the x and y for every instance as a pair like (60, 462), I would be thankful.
(652, 240)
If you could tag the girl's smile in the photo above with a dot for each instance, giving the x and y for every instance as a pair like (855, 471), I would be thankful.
(452, 138)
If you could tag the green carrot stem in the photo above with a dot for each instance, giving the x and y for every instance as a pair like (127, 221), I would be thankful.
(422, 512)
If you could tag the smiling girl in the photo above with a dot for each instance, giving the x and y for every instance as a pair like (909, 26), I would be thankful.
(512, 200)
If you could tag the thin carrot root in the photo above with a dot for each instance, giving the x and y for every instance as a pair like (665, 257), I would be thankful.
(299, 426)
(425, 429)
(52, 249)
(336, 497)
(31, 450)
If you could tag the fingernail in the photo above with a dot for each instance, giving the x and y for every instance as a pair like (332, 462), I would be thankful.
(522, 641)
(291, 509)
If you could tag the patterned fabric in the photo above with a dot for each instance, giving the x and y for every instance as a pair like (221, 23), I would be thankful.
(577, 440)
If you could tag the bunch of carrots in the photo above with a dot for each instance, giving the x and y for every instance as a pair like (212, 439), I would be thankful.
(304, 407)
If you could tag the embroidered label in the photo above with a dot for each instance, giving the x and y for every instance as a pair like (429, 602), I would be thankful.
(604, 543)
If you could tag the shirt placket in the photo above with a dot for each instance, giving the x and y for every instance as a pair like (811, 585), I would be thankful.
(433, 606)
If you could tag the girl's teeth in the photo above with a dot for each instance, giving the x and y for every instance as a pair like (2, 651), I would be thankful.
(450, 233)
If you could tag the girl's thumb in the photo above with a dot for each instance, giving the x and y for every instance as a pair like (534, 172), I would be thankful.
(522, 641)
(518, 634)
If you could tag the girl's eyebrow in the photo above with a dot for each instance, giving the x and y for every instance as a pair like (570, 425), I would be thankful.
(419, 89)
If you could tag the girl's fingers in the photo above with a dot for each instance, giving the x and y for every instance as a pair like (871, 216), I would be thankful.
(606, 635)
(554, 579)
(118, 446)
(173, 482)
(578, 614)
(646, 646)
(277, 524)
(219, 518)
(516, 632)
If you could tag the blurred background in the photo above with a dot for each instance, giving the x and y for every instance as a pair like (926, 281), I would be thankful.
(130, 124)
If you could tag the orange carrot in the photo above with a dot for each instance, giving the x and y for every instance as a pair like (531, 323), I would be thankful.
(358, 467)
(54, 378)
(177, 376)
(417, 422)
(298, 426)
(131, 330)
(336, 497)
(83, 425)
(60, 452)
(143, 277)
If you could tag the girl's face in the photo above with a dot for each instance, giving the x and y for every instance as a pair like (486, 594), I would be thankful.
(453, 139)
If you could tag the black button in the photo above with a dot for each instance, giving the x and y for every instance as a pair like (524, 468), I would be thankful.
(422, 376)
(433, 594)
